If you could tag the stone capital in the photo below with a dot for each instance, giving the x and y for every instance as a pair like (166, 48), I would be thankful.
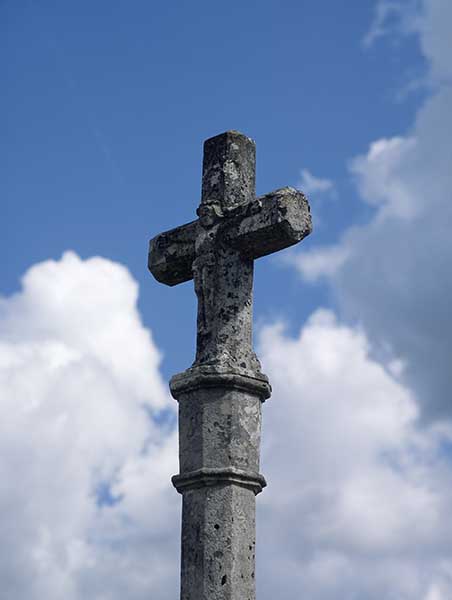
(213, 376)
(207, 477)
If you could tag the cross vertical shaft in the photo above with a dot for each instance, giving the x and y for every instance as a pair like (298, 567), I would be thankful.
(220, 396)
(223, 277)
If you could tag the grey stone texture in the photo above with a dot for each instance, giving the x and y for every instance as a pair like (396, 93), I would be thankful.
(221, 394)
(219, 429)
(218, 543)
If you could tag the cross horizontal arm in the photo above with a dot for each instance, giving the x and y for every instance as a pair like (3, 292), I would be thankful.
(277, 220)
(171, 254)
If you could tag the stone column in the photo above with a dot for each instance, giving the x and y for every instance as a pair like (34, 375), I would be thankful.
(219, 439)
(220, 396)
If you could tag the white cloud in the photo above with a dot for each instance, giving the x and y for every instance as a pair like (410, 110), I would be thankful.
(85, 471)
(393, 274)
(309, 184)
(364, 484)
(317, 263)
(92, 306)
(380, 177)
(358, 496)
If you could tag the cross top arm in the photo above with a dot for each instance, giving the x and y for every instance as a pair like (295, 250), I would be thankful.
(270, 223)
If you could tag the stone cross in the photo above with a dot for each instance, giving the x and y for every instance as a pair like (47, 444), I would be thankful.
(220, 396)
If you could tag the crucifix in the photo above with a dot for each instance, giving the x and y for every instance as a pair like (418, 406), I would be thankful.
(220, 395)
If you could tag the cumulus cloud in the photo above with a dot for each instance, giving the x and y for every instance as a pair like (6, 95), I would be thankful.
(318, 263)
(392, 275)
(85, 500)
(380, 177)
(358, 498)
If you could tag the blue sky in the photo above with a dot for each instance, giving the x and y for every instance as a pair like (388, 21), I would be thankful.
(108, 105)
(106, 110)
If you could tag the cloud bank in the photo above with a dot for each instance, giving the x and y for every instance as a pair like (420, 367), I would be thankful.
(358, 496)
(392, 275)
(85, 508)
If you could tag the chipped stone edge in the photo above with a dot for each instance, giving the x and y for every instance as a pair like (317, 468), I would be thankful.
(208, 477)
(201, 377)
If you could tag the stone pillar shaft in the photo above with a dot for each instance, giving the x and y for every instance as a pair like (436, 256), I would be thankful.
(218, 542)
(219, 441)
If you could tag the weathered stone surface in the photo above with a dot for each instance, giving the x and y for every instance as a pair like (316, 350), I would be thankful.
(208, 376)
(218, 253)
(219, 427)
(228, 173)
(218, 543)
(171, 254)
(273, 222)
(220, 396)
(219, 441)
(270, 223)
